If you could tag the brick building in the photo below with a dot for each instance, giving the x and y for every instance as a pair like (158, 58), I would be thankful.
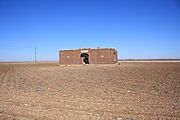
(88, 56)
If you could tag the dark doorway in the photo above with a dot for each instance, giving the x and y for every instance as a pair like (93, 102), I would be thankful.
(85, 58)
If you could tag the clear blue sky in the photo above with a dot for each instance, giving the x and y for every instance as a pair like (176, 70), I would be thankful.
(136, 28)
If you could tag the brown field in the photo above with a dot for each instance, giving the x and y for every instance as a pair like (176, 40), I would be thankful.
(129, 91)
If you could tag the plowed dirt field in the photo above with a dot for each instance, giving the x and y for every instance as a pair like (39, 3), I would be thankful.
(129, 91)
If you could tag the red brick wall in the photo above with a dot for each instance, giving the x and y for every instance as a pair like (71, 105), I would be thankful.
(96, 56)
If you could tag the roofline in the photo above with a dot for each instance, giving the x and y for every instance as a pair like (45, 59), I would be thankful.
(87, 49)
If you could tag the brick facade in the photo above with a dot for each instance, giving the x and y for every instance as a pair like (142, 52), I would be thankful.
(93, 56)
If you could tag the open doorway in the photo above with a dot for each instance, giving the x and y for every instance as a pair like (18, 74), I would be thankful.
(85, 58)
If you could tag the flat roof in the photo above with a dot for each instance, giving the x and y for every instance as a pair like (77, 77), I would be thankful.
(87, 49)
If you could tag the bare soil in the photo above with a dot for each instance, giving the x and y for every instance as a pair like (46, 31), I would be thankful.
(129, 91)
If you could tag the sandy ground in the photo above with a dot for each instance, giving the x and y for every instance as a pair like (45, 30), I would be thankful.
(129, 91)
